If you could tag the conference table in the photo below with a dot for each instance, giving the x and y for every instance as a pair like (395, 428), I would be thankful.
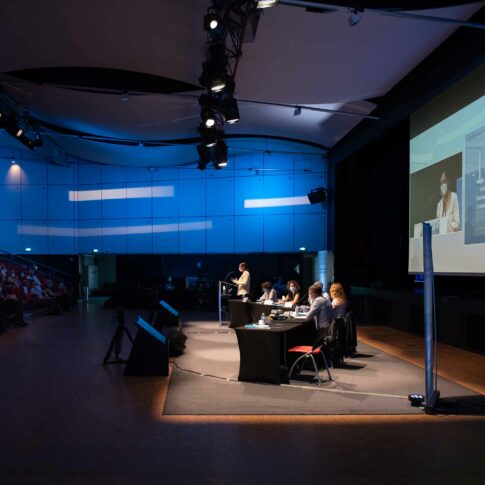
(243, 312)
(263, 351)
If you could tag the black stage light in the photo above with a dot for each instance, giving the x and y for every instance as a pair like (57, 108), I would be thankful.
(205, 156)
(212, 22)
(35, 143)
(210, 136)
(208, 117)
(231, 111)
(266, 3)
(220, 159)
(214, 70)
(317, 195)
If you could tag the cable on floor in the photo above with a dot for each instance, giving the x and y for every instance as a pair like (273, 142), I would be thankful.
(295, 386)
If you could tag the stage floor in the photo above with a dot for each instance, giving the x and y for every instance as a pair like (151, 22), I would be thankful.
(65, 418)
(204, 382)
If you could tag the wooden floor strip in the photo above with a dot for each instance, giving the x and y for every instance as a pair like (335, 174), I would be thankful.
(460, 366)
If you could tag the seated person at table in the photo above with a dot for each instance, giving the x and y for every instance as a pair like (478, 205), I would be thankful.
(339, 300)
(293, 294)
(321, 310)
(268, 293)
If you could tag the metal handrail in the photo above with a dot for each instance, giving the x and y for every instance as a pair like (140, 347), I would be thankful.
(52, 273)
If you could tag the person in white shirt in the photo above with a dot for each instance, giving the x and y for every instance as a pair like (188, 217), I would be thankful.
(244, 281)
(448, 205)
(269, 293)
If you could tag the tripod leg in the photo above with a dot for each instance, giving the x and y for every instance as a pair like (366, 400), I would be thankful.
(110, 348)
(119, 342)
(129, 335)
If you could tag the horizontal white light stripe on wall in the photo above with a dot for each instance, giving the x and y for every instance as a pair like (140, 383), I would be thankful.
(276, 202)
(129, 193)
(113, 231)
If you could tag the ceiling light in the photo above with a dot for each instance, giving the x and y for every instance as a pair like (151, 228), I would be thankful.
(210, 136)
(266, 3)
(95, 250)
(303, 248)
(218, 86)
(220, 159)
(297, 111)
(208, 117)
(28, 250)
(231, 111)
(212, 21)
(205, 156)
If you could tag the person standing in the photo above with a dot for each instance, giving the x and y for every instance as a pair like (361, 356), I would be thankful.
(244, 281)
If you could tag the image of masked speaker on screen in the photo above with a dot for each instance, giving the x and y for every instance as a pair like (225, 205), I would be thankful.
(448, 207)
(436, 193)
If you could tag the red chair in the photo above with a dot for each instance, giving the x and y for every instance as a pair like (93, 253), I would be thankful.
(309, 352)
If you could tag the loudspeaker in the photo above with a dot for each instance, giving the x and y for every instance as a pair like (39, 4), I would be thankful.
(317, 195)
(177, 341)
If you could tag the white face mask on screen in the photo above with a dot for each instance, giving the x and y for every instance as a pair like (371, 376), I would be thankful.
(444, 189)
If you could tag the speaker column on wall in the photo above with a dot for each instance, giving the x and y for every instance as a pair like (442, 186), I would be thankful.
(317, 195)
(149, 354)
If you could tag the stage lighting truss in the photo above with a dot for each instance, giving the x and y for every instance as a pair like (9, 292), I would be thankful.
(229, 24)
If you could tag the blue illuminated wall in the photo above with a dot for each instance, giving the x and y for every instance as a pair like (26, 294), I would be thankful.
(63, 210)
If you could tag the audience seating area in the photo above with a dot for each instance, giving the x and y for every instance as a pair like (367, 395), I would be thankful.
(25, 289)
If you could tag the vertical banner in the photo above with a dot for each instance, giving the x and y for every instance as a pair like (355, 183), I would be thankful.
(429, 357)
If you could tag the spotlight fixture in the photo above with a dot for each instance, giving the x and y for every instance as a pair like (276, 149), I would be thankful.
(35, 143)
(205, 156)
(354, 17)
(208, 117)
(212, 21)
(297, 111)
(28, 250)
(266, 3)
(214, 70)
(210, 136)
(231, 111)
(95, 250)
(303, 249)
(220, 159)
(19, 132)
(13, 161)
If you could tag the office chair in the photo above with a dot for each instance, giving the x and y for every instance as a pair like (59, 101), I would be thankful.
(309, 352)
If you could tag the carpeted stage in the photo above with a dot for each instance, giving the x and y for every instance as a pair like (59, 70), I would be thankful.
(204, 382)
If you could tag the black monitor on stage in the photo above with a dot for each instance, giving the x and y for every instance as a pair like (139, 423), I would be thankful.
(164, 315)
(150, 351)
